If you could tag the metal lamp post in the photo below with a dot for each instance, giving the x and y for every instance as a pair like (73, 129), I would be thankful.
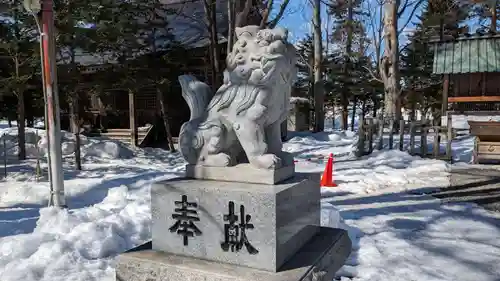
(49, 77)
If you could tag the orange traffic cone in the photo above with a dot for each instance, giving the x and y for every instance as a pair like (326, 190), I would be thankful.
(327, 178)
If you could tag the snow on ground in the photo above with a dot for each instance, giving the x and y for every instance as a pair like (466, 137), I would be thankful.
(398, 232)
(461, 121)
(399, 236)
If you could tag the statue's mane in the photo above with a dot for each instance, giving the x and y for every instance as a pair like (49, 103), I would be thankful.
(226, 94)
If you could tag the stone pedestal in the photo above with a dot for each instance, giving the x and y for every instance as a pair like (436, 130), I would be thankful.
(317, 260)
(212, 230)
(272, 221)
(240, 173)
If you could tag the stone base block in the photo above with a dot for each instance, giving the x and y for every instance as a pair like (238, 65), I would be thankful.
(255, 225)
(240, 173)
(318, 260)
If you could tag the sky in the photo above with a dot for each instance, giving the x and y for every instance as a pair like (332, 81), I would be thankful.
(297, 19)
(298, 16)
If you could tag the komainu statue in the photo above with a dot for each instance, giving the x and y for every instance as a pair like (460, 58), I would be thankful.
(242, 121)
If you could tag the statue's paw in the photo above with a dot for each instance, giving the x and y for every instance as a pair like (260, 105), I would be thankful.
(217, 160)
(214, 145)
(266, 161)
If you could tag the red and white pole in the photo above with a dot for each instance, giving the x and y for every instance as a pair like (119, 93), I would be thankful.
(57, 197)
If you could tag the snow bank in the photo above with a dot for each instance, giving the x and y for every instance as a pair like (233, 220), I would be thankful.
(78, 244)
(305, 145)
(37, 144)
(107, 150)
(461, 121)
(391, 169)
(388, 169)
(418, 238)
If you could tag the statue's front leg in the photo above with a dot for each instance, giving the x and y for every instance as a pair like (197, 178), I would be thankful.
(252, 138)
(275, 145)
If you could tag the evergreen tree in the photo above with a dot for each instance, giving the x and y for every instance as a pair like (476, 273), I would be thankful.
(423, 90)
(348, 73)
(19, 59)
(73, 40)
(485, 12)
(305, 52)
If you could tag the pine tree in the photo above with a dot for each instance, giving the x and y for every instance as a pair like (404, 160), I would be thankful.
(439, 18)
(20, 61)
(485, 12)
(304, 82)
(350, 38)
(72, 40)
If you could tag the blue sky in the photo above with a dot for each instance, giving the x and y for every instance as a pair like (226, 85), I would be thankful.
(299, 12)
(298, 16)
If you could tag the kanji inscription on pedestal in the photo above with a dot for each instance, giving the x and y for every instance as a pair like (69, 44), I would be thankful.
(235, 236)
(185, 217)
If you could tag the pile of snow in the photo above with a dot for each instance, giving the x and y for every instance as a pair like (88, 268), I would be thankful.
(299, 100)
(37, 145)
(382, 170)
(107, 150)
(461, 121)
(78, 244)
(109, 214)
(307, 145)
(68, 143)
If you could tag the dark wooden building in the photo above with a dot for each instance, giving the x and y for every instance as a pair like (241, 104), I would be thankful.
(116, 113)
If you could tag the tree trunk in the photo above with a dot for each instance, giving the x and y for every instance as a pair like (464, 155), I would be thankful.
(345, 112)
(265, 14)
(211, 20)
(389, 66)
(245, 14)
(164, 114)
(319, 95)
(133, 118)
(21, 118)
(347, 55)
(353, 116)
(363, 107)
(74, 116)
(413, 107)
(230, 20)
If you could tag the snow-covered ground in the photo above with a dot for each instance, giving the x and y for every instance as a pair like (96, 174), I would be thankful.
(398, 232)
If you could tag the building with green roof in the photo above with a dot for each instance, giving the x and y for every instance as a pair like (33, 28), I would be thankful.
(470, 65)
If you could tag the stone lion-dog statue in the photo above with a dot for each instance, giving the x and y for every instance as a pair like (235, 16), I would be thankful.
(241, 123)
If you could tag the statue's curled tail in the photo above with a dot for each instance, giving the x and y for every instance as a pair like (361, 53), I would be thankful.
(197, 95)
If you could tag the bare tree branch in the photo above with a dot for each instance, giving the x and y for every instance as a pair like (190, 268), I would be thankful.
(241, 17)
(265, 14)
(403, 8)
(304, 60)
(374, 78)
(411, 15)
(376, 29)
(278, 17)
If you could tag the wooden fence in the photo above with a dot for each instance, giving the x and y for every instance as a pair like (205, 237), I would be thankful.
(373, 130)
